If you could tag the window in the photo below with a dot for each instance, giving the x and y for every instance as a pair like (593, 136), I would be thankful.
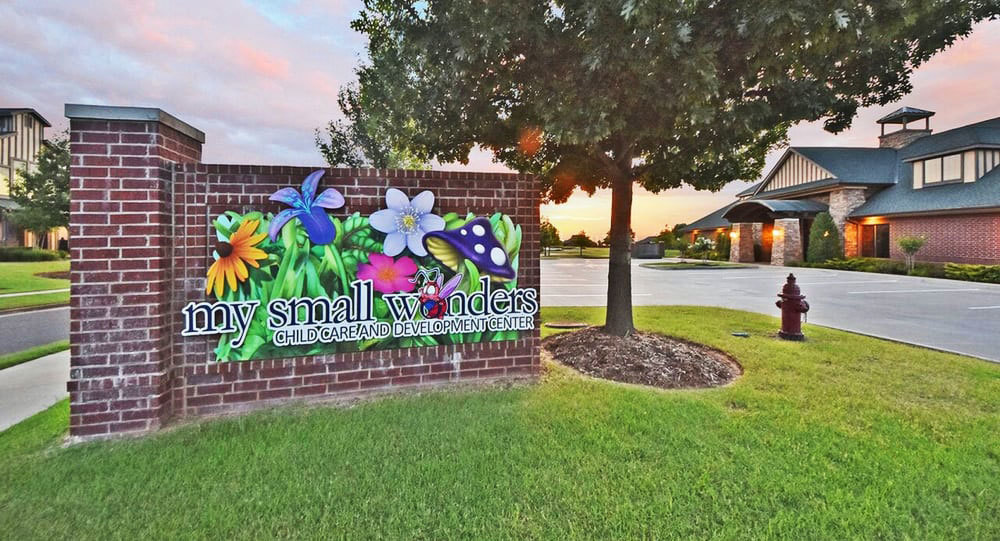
(932, 171)
(875, 240)
(952, 168)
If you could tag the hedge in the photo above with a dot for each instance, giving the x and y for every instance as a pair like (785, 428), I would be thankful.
(973, 273)
(17, 253)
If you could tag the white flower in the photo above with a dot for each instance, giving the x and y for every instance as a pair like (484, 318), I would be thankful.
(404, 222)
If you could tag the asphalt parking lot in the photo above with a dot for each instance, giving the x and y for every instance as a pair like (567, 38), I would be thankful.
(963, 317)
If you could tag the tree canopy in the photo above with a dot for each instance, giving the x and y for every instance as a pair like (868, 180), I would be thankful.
(43, 193)
(606, 94)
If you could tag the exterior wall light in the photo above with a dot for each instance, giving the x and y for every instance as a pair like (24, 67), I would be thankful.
(734, 235)
(778, 232)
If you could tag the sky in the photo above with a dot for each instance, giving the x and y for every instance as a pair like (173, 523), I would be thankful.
(259, 76)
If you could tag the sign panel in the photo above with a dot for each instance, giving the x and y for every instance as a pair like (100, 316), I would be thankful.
(301, 282)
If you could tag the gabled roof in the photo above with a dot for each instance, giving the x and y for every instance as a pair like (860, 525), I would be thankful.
(962, 196)
(5, 111)
(855, 165)
(905, 115)
(750, 190)
(744, 210)
(980, 134)
(711, 221)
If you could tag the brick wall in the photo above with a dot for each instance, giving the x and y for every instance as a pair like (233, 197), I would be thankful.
(139, 224)
(960, 238)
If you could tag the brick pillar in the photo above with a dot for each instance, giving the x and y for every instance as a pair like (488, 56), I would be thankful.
(121, 226)
(741, 247)
(842, 203)
(787, 244)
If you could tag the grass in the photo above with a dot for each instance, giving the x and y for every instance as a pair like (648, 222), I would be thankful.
(12, 359)
(21, 277)
(687, 265)
(842, 436)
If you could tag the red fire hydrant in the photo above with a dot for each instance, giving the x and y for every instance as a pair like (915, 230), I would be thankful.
(793, 304)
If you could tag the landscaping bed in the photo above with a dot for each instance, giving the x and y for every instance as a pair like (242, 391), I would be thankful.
(643, 358)
(692, 265)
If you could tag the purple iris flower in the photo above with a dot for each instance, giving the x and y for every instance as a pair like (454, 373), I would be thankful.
(309, 210)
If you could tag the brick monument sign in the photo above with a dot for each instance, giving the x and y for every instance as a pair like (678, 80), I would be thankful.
(200, 289)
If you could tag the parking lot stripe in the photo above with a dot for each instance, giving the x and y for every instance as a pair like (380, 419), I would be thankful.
(984, 307)
(910, 291)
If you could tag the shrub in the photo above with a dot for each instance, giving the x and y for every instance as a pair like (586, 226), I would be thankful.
(18, 253)
(702, 247)
(973, 273)
(723, 244)
(824, 240)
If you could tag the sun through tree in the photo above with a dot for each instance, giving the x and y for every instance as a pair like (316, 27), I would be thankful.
(611, 94)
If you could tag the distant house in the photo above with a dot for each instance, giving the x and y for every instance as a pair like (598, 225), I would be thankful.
(22, 135)
(945, 186)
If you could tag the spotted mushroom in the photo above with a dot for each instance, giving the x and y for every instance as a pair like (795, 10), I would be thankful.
(473, 241)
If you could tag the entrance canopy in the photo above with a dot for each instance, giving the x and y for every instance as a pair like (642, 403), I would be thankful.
(766, 210)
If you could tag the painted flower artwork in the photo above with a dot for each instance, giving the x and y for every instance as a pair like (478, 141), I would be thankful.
(405, 222)
(232, 257)
(310, 210)
(388, 275)
(305, 252)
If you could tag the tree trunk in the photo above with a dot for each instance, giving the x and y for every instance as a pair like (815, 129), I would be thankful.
(618, 321)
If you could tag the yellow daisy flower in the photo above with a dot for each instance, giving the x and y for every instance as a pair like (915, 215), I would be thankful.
(230, 267)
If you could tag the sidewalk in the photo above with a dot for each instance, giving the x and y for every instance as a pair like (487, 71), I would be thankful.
(29, 388)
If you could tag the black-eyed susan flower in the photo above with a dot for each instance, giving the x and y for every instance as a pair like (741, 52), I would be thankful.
(233, 257)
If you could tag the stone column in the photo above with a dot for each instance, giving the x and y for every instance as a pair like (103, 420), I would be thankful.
(842, 203)
(787, 244)
(741, 243)
(121, 223)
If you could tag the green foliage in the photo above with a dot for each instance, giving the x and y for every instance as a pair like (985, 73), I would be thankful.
(660, 94)
(549, 235)
(19, 253)
(824, 239)
(723, 245)
(839, 437)
(877, 265)
(360, 141)
(297, 268)
(703, 246)
(43, 194)
(581, 241)
(12, 359)
(910, 245)
(973, 273)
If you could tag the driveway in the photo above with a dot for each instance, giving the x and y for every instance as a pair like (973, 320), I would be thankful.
(963, 317)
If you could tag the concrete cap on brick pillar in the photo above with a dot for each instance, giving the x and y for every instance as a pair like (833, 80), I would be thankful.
(135, 114)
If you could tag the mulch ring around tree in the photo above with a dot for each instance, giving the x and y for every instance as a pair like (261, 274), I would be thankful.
(643, 358)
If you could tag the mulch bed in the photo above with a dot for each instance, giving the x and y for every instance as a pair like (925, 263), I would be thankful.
(57, 274)
(643, 358)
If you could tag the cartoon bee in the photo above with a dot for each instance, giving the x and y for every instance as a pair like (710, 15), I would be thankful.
(434, 292)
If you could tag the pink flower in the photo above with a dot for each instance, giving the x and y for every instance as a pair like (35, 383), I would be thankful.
(387, 275)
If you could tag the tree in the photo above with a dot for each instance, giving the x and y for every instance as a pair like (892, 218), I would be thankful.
(617, 93)
(723, 245)
(824, 239)
(910, 245)
(549, 235)
(607, 238)
(43, 194)
(361, 141)
(580, 240)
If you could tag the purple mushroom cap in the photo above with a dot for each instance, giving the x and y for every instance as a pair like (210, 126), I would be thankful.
(473, 241)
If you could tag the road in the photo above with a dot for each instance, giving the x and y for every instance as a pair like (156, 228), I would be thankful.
(29, 388)
(963, 317)
(22, 330)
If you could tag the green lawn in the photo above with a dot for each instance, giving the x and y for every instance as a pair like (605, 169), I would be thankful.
(21, 277)
(11, 359)
(839, 437)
